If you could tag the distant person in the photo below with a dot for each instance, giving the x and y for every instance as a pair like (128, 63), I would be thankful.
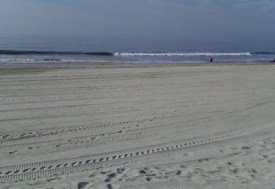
(273, 61)
(211, 59)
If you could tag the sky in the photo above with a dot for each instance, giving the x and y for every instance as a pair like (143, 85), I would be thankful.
(152, 24)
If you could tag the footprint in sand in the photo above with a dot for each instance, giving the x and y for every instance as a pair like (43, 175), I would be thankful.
(82, 185)
(13, 152)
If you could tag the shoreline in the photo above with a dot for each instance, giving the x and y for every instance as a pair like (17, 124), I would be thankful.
(115, 65)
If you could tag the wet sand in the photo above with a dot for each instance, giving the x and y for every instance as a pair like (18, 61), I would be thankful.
(106, 126)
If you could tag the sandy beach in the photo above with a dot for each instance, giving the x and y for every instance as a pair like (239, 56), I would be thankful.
(137, 127)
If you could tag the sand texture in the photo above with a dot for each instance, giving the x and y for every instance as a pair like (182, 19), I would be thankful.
(138, 127)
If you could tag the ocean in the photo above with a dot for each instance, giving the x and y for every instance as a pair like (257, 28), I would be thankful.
(34, 50)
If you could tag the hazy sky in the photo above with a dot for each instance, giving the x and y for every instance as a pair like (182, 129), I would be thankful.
(246, 24)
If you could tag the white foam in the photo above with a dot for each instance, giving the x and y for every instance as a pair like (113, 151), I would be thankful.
(184, 54)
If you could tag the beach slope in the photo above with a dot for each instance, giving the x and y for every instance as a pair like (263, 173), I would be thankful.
(207, 126)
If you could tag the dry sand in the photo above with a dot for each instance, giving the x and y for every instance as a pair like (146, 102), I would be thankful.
(138, 127)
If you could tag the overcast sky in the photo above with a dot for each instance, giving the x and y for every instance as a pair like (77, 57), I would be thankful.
(225, 23)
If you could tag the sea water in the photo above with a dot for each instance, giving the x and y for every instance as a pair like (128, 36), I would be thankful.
(76, 51)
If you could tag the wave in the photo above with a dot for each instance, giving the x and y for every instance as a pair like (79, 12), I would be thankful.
(52, 59)
(22, 52)
(183, 54)
(106, 53)
(263, 53)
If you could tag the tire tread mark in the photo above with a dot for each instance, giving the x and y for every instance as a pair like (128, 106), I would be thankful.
(61, 166)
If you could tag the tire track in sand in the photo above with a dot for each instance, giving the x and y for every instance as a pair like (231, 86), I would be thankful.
(68, 165)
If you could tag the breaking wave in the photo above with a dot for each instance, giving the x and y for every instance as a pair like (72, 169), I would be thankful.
(183, 54)
(22, 52)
